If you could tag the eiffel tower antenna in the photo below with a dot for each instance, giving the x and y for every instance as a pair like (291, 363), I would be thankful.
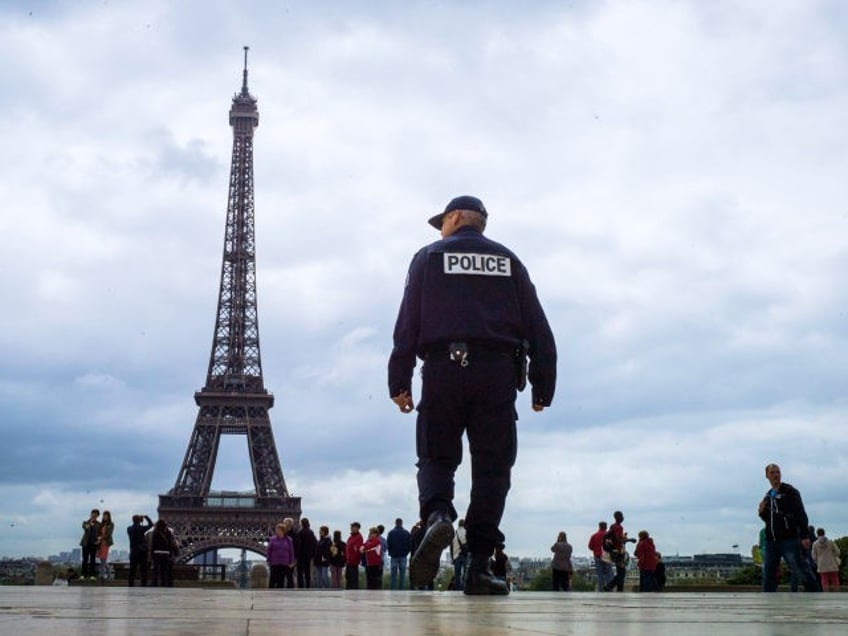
(244, 77)
(234, 400)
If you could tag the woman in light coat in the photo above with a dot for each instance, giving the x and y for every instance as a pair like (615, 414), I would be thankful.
(826, 555)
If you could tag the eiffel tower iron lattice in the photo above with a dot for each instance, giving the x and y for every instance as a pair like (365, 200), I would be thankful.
(234, 400)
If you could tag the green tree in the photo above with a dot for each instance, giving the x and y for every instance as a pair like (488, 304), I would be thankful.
(544, 582)
(842, 544)
(749, 575)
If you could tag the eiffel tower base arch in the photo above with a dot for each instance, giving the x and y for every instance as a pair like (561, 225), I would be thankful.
(202, 528)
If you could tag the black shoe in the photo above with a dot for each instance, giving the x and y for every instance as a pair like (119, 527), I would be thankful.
(424, 565)
(480, 581)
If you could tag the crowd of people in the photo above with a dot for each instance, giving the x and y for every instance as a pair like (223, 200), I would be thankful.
(296, 557)
(608, 547)
(152, 549)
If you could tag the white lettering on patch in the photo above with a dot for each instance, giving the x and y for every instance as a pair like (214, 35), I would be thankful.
(477, 264)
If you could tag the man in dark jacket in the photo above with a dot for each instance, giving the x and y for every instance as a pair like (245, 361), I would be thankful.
(322, 558)
(138, 548)
(89, 542)
(786, 526)
(305, 550)
(398, 543)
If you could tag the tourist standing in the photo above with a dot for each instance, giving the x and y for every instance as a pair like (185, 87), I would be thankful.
(280, 558)
(601, 558)
(88, 543)
(373, 551)
(826, 555)
(138, 548)
(614, 543)
(353, 557)
(646, 561)
(786, 521)
(305, 549)
(561, 567)
(398, 544)
(163, 548)
(322, 558)
(107, 530)
(337, 559)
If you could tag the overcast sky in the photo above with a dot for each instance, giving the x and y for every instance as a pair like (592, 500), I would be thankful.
(672, 173)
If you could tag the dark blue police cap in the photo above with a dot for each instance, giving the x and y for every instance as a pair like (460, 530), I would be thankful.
(464, 202)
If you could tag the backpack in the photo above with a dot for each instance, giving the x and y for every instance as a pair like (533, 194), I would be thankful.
(608, 542)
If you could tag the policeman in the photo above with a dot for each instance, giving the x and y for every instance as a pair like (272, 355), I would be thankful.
(470, 312)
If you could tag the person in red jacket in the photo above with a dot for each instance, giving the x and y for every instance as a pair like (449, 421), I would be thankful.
(373, 551)
(614, 542)
(646, 554)
(603, 567)
(352, 557)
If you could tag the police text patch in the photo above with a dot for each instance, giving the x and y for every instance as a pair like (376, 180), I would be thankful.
(477, 264)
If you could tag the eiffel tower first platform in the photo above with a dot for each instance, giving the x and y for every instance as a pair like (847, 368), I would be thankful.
(234, 400)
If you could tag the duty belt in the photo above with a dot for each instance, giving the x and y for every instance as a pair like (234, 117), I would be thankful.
(459, 350)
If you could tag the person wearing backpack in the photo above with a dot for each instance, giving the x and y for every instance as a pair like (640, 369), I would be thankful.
(614, 542)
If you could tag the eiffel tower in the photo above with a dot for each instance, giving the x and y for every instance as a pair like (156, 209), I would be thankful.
(234, 400)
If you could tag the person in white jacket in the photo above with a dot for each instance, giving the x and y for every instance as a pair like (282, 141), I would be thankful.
(826, 555)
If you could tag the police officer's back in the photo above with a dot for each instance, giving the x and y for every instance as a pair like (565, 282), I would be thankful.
(470, 312)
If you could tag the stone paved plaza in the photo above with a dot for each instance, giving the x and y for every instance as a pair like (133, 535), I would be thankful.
(73, 611)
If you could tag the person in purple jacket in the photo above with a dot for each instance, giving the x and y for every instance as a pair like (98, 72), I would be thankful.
(280, 558)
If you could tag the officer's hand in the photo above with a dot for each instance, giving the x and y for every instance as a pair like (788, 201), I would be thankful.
(404, 402)
(538, 407)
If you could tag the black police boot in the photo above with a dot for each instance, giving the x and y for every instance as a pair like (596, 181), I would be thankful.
(424, 565)
(479, 579)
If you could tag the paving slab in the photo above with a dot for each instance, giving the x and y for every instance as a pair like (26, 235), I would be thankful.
(96, 611)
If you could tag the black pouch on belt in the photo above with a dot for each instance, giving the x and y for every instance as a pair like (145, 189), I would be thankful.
(521, 365)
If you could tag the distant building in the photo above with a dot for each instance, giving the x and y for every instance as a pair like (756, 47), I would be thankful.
(683, 569)
(717, 567)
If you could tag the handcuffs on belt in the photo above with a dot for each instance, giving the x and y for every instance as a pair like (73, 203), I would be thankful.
(459, 353)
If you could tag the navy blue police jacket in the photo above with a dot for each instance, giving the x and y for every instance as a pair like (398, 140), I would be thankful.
(469, 288)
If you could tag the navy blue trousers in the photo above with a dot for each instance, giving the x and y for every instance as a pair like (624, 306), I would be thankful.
(477, 400)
